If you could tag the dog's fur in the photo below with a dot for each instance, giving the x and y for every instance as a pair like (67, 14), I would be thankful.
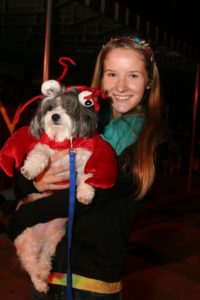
(61, 116)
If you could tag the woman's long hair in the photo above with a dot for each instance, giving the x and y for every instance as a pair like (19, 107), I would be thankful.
(143, 151)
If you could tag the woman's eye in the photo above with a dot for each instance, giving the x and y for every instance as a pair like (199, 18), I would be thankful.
(134, 75)
(111, 74)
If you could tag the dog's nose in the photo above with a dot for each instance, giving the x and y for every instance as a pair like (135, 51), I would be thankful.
(55, 117)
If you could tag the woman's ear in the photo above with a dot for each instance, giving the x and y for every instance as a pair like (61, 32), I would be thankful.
(149, 84)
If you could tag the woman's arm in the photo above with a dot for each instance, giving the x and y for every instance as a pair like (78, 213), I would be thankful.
(56, 206)
(22, 186)
(40, 211)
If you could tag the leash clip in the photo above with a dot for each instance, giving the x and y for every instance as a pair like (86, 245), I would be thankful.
(72, 149)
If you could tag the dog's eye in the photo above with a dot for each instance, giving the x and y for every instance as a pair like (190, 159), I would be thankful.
(50, 108)
(83, 99)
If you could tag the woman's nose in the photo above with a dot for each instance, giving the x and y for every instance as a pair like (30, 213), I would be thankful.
(122, 85)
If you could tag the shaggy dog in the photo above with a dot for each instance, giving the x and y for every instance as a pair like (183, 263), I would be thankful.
(62, 116)
(64, 119)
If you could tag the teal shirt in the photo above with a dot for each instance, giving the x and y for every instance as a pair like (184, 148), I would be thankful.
(123, 131)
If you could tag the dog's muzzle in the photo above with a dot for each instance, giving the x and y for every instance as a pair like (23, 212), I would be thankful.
(55, 118)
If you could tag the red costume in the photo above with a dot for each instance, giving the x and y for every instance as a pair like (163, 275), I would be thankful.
(103, 161)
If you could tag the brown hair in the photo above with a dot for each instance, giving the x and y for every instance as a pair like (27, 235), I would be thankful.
(143, 154)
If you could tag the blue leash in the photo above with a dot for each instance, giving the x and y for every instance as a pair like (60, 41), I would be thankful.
(72, 192)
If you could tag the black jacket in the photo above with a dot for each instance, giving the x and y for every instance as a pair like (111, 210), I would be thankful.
(100, 231)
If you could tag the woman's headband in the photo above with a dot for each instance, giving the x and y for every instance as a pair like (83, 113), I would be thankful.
(141, 43)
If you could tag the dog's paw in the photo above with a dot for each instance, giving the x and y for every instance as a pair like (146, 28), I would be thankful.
(41, 286)
(40, 283)
(44, 269)
(27, 173)
(30, 170)
(85, 193)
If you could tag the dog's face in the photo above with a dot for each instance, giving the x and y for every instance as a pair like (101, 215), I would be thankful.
(62, 116)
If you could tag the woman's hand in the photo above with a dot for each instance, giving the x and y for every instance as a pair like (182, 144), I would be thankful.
(58, 171)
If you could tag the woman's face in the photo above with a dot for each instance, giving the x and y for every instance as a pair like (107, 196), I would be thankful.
(125, 79)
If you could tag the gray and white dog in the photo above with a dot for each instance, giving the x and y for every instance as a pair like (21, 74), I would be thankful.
(61, 115)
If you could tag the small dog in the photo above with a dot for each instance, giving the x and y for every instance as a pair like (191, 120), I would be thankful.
(64, 119)
(61, 117)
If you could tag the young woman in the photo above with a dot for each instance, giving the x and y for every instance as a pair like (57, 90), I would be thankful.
(126, 70)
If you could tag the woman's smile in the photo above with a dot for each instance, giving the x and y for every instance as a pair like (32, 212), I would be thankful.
(122, 97)
(125, 79)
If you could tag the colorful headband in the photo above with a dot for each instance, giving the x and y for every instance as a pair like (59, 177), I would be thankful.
(142, 43)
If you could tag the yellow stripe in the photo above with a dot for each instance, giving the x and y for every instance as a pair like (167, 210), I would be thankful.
(87, 284)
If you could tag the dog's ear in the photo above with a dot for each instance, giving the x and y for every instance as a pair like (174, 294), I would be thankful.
(88, 116)
(50, 88)
(35, 127)
(88, 121)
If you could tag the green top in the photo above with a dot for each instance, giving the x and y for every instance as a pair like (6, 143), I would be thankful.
(123, 131)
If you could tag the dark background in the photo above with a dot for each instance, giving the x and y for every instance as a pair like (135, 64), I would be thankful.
(79, 31)
(179, 17)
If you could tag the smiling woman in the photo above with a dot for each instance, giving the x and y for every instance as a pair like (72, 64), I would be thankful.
(125, 69)
(125, 79)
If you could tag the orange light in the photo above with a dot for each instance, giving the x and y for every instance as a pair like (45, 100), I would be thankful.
(9, 123)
